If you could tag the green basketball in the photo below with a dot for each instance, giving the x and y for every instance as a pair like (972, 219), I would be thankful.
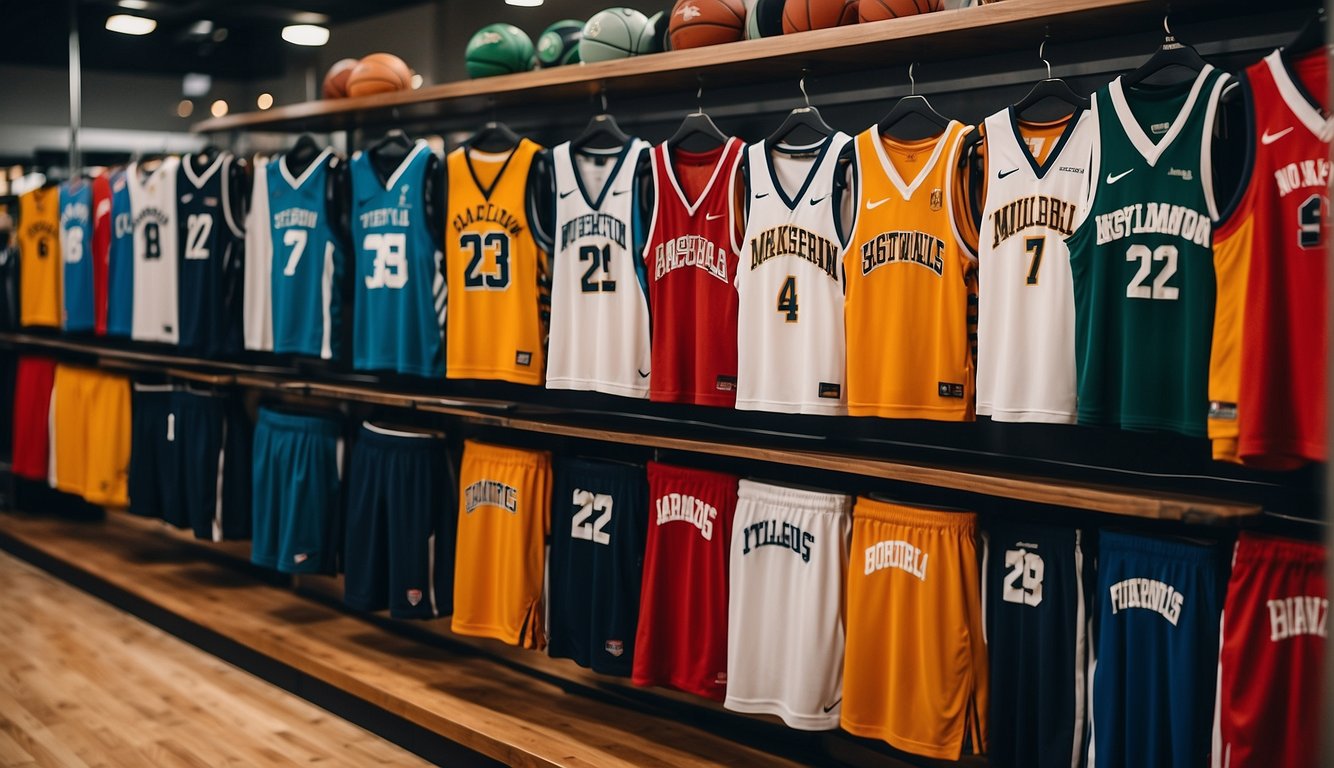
(559, 43)
(499, 49)
(615, 33)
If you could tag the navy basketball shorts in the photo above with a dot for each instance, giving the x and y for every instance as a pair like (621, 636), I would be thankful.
(297, 468)
(1038, 624)
(1159, 603)
(212, 439)
(401, 525)
(155, 475)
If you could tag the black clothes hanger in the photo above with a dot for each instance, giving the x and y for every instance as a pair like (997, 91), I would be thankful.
(389, 152)
(1049, 88)
(202, 159)
(698, 128)
(913, 106)
(1172, 53)
(602, 128)
(805, 118)
(495, 136)
(1311, 36)
(302, 154)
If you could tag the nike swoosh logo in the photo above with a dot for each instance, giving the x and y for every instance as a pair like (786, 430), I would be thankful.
(616, 192)
(870, 206)
(1113, 179)
(1270, 138)
(1003, 174)
(564, 195)
(830, 708)
(762, 194)
(712, 216)
(642, 375)
(818, 200)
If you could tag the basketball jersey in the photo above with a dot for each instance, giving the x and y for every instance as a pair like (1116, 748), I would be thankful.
(789, 284)
(306, 261)
(120, 259)
(101, 249)
(1232, 264)
(1283, 352)
(399, 289)
(494, 270)
(257, 293)
(76, 247)
(1142, 258)
(599, 302)
(692, 264)
(154, 316)
(40, 264)
(211, 239)
(1035, 178)
(906, 310)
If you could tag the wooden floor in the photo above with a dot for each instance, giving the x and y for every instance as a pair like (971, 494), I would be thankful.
(84, 684)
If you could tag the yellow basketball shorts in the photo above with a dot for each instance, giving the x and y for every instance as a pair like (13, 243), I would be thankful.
(90, 435)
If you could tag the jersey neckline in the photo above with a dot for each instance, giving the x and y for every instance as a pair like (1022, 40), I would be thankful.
(199, 180)
(791, 202)
(297, 182)
(621, 155)
(500, 174)
(138, 178)
(1298, 99)
(1148, 149)
(1040, 169)
(670, 167)
(906, 190)
(418, 147)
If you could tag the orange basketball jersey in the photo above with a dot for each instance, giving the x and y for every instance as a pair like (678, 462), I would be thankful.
(40, 264)
(497, 276)
(1232, 263)
(906, 311)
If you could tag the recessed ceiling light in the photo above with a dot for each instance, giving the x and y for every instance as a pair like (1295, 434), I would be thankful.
(524, 3)
(264, 101)
(219, 108)
(306, 34)
(185, 108)
(134, 5)
(130, 25)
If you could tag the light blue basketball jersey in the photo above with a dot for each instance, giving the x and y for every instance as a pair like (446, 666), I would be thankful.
(120, 258)
(307, 264)
(76, 243)
(400, 289)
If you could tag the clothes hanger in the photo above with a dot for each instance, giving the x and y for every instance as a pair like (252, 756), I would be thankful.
(698, 124)
(1310, 38)
(302, 154)
(1049, 88)
(1172, 53)
(913, 105)
(601, 126)
(495, 136)
(392, 147)
(805, 117)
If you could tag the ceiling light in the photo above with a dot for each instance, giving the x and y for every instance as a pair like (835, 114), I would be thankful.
(185, 108)
(196, 85)
(264, 101)
(134, 5)
(130, 25)
(306, 34)
(416, 81)
(201, 28)
(219, 108)
(524, 3)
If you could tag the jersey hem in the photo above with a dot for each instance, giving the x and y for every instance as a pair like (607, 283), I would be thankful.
(667, 682)
(774, 406)
(491, 375)
(584, 385)
(813, 722)
(375, 365)
(1025, 414)
(693, 398)
(933, 413)
(1277, 452)
(1142, 425)
(949, 752)
(483, 630)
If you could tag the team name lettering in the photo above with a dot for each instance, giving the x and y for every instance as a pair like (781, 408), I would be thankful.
(1033, 211)
(1149, 594)
(896, 554)
(787, 239)
(908, 247)
(386, 217)
(491, 493)
(1157, 218)
(42, 229)
(778, 534)
(690, 251)
(296, 217)
(1302, 174)
(123, 226)
(593, 225)
(488, 212)
(682, 506)
(74, 212)
(1302, 615)
(151, 213)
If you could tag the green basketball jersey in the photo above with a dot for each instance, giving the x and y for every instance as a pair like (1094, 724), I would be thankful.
(1142, 258)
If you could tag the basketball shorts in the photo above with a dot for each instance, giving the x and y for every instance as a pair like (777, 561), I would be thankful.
(212, 438)
(915, 669)
(90, 435)
(155, 464)
(33, 382)
(297, 467)
(400, 525)
(597, 559)
(1158, 603)
(504, 509)
(1275, 625)
(1038, 632)
(785, 607)
(682, 636)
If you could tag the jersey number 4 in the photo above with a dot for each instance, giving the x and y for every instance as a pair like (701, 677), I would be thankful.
(584, 526)
(787, 299)
(1146, 258)
(496, 243)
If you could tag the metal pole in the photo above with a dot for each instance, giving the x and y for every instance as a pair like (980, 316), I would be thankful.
(75, 91)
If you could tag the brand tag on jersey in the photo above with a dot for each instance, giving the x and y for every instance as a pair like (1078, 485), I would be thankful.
(211, 202)
(301, 558)
(725, 384)
(615, 648)
(947, 389)
(937, 199)
(1158, 129)
(831, 391)
(414, 596)
(1220, 411)
(523, 358)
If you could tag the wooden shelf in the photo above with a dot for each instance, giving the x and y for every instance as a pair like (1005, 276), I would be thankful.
(996, 27)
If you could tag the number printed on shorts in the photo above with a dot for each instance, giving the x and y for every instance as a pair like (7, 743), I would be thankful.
(787, 299)
(198, 227)
(1023, 582)
(1310, 233)
(390, 267)
(497, 244)
(74, 245)
(1167, 254)
(586, 503)
(599, 261)
(1034, 246)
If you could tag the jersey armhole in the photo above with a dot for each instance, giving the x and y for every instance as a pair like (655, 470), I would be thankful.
(1239, 195)
(1207, 144)
(1090, 193)
(737, 185)
(541, 178)
(652, 230)
(237, 228)
(951, 191)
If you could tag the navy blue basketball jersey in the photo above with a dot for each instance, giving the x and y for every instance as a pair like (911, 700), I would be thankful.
(210, 239)
(76, 243)
(598, 529)
(120, 260)
(307, 266)
(399, 308)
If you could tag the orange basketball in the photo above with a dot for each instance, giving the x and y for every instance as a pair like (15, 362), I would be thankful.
(335, 81)
(379, 73)
(801, 15)
(697, 23)
(851, 14)
(879, 10)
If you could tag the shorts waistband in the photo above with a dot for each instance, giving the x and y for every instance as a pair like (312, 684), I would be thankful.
(395, 438)
(1259, 548)
(798, 498)
(885, 512)
(671, 470)
(504, 454)
(302, 422)
(161, 389)
(1109, 541)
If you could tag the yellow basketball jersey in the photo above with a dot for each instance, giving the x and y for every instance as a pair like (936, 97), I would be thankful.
(40, 265)
(497, 276)
(907, 269)
(1232, 265)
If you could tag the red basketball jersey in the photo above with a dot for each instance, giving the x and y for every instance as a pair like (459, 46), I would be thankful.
(101, 250)
(691, 267)
(682, 637)
(1275, 622)
(1281, 399)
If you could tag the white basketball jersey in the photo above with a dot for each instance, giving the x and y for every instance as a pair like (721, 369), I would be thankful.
(599, 294)
(257, 298)
(785, 633)
(153, 206)
(790, 284)
(1026, 300)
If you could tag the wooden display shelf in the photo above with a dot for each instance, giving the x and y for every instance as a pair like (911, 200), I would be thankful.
(996, 27)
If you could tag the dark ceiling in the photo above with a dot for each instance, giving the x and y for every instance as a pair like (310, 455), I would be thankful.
(243, 43)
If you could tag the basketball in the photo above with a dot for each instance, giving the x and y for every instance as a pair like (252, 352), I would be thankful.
(498, 49)
(803, 15)
(764, 19)
(697, 23)
(615, 33)
(379, 73)
(879, 10)
(559, 43)
(335, 80)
